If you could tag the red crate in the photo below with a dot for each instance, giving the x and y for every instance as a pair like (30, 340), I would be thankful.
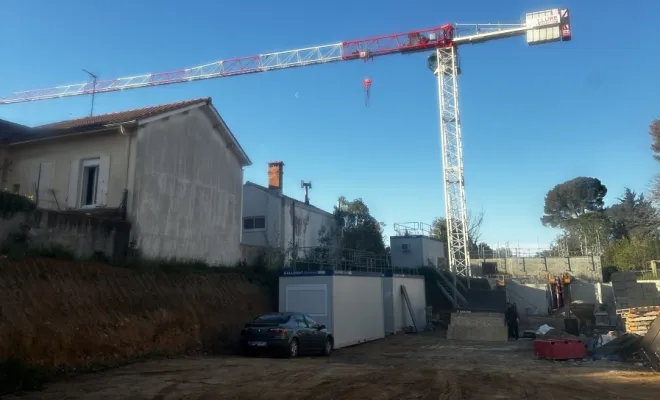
(560, 349)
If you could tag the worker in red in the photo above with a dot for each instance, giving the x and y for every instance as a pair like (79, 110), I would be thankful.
(512, 320)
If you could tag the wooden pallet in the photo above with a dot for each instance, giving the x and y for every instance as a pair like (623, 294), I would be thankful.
(637, 328)
(638, 320)
(642, 319)
(623, 312)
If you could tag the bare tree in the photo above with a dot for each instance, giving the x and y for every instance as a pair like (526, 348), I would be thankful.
(474, 226)
(474, 222)
(654, 131)
(655, 189)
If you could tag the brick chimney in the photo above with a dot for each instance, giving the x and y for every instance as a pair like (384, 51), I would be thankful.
(275, 172)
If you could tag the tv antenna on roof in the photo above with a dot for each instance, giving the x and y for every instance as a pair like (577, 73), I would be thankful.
(91, 111)
(306, 186)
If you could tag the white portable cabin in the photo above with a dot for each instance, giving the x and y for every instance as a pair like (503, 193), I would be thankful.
(348, 303)
(397, 314)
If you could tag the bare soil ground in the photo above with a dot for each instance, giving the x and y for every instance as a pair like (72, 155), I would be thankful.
(400, 367)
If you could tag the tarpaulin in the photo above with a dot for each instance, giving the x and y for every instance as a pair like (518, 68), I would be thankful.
(651, 344)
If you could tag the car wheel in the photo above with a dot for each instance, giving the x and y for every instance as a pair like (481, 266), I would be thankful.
(294, 348)
(327, 349)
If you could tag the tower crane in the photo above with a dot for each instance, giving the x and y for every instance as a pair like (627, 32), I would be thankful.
(539, 27)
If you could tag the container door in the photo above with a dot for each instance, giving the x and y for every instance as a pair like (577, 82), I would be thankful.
(309, 299)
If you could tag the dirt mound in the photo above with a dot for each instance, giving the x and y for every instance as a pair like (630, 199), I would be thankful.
(55, 313)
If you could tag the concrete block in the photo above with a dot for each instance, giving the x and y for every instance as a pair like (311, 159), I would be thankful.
(623, 276)
(476, 326)
(651, 287)
(477, 319)
(617, 277)
(473, 333)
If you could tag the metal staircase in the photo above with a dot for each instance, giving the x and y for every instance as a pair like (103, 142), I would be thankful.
(446, 286)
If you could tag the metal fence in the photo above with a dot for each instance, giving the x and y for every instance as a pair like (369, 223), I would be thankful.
(339, 258)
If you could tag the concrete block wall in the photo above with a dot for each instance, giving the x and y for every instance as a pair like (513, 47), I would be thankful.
(531, 298)
(82, 235)
(629, 293)
(584, 268)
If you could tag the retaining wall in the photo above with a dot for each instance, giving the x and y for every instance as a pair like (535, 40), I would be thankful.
(80, 234)
(586, 268)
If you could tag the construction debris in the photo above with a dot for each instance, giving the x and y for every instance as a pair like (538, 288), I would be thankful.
(650, 345)
(620, 348)
(545, 331)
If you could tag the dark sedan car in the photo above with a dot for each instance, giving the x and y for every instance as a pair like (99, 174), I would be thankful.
(286, 333)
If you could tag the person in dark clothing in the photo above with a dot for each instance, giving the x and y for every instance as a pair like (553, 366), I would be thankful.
(512, 320)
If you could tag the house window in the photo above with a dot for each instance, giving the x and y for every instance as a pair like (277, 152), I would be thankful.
(90, 180)
(254, 223)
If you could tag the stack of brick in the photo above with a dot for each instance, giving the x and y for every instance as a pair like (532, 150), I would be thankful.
(628, 293)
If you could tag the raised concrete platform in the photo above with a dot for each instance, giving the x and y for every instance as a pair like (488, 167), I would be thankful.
(478, 326)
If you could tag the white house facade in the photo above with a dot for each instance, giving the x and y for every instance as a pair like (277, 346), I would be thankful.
(176, 169)
(276, 221)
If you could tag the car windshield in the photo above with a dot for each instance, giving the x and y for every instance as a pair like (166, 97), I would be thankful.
(272, 319)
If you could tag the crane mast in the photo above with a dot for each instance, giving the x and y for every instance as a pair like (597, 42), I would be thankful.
(539, 27)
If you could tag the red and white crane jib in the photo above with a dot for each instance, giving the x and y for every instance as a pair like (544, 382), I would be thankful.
(414, 41)
(540, 27)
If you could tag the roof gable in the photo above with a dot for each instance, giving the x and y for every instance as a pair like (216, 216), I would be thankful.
(265, 189)
(23, 134)
(94, 123)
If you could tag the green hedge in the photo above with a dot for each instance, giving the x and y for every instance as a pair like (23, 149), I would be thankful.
(11, 203)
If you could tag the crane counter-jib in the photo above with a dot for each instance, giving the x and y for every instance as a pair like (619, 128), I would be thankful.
(400, 43)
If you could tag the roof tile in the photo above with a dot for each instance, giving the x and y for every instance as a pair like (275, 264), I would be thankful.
(9, 130)
(121, 116)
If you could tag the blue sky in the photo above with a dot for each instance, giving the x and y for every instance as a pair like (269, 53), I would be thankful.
(532, 116)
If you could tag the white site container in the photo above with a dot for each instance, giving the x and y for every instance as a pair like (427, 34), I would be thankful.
(348, 303)
(396, 314)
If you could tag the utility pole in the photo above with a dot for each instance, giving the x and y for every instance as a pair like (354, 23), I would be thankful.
(306, 186)
(91, 111)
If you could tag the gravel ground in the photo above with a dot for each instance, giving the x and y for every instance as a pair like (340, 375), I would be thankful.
(400, 367)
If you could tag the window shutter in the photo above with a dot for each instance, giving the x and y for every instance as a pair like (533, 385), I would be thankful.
(72, 198)
(45, 183)
(102, 187)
